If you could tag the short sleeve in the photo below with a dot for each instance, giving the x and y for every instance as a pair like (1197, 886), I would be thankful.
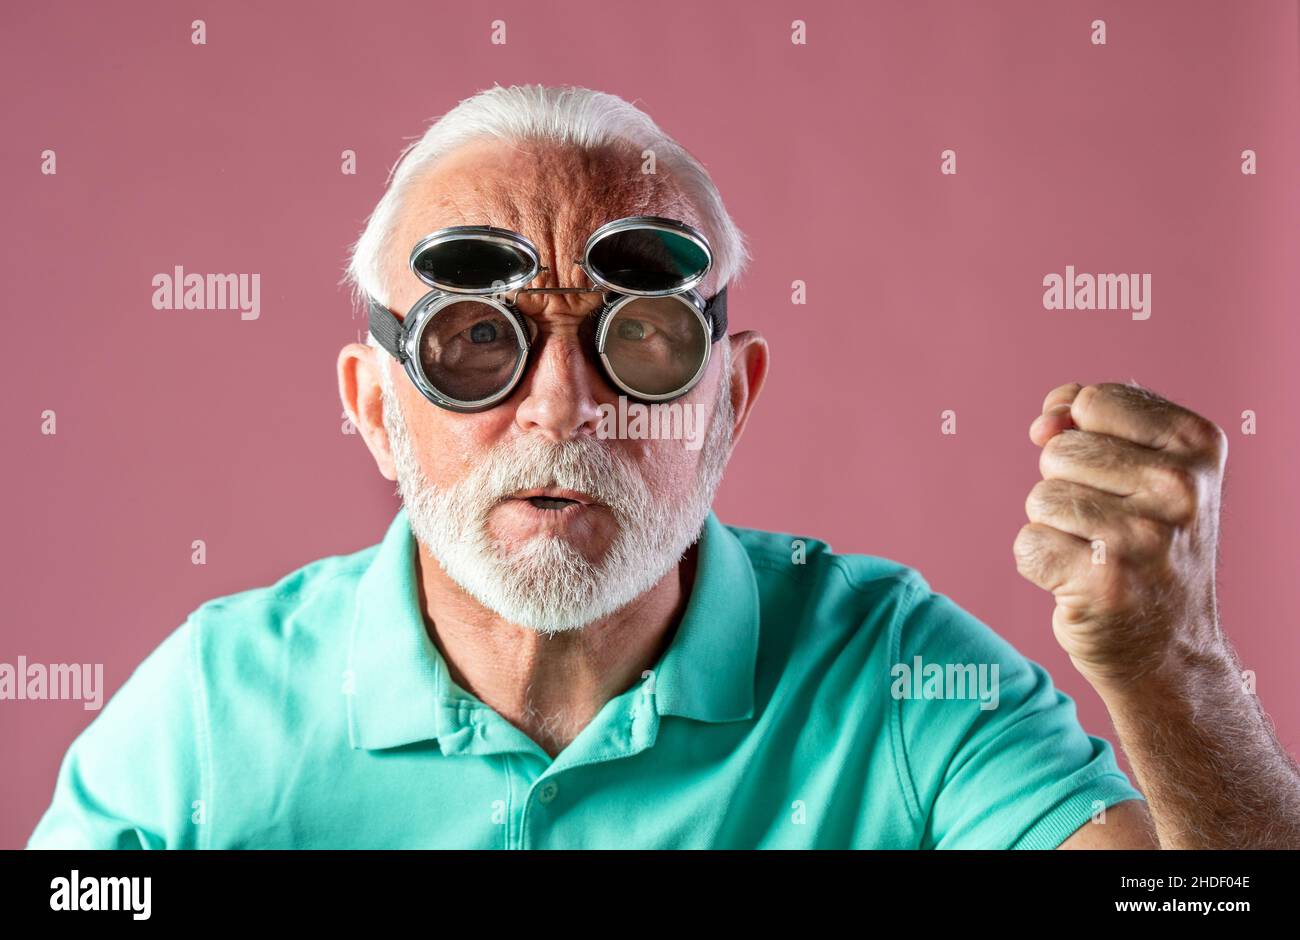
(993, 754)
(132, 778)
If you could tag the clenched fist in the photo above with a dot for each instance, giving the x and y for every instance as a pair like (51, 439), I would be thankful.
(1124, 527)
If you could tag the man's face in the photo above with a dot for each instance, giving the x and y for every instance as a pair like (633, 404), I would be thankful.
(525, 506)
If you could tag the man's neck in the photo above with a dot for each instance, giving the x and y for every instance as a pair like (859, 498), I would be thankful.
(550, 687)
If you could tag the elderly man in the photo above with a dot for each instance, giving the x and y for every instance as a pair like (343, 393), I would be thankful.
(557, 644)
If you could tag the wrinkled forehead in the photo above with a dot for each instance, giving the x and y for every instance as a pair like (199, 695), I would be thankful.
(554, 195)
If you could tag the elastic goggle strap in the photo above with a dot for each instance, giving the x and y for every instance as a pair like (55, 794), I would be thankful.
(387, 330)
(716, 311)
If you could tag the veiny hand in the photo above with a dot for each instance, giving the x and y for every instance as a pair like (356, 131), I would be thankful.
(1124, 528)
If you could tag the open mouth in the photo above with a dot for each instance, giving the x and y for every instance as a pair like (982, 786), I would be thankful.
(554, 499)
(556, 504)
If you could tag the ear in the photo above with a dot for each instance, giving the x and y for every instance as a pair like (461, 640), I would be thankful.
(362, 396)
(749, 361)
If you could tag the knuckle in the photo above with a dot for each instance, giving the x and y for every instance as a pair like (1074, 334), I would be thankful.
(1025, 547)
(1054, 451)
(1200, 434)
(1087, 396)
(1065, 392)
(1018, 546)
(1216, 443)
(1038, 499)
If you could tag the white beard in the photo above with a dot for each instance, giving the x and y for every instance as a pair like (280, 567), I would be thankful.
(545, 583)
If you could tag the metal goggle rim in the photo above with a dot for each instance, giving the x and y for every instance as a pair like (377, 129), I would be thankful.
(516, 242)
(427, 307)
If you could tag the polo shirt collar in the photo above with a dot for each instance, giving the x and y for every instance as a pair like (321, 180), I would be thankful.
(396, 679)
(708, 670)
(399, 689)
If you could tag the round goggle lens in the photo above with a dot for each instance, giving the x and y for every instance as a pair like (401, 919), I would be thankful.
(654, 345)
(646, 259)
(470, 350)
(471, 264)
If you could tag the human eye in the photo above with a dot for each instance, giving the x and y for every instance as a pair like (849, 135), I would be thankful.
(634, 331)
(485, 331)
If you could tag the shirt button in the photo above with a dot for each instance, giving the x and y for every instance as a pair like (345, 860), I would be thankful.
(548, 791)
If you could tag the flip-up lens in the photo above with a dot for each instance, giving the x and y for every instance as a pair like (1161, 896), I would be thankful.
(474, 260)
(647, 257)
(654, 347)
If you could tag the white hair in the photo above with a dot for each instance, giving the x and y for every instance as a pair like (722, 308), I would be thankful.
(579, 117)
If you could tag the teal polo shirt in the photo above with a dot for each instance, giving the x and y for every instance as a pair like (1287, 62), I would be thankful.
(317, 712)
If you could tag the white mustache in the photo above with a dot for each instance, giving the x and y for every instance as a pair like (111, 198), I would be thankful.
(581, 464)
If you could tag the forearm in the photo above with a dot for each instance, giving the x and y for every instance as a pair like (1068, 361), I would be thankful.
(1206, 756)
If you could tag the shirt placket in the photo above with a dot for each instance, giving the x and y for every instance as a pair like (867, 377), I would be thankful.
(533, 786)
(627, 725)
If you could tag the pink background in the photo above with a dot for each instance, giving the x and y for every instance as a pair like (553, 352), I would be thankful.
(924, 290)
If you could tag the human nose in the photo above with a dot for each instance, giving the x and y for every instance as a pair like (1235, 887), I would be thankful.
(560, 393)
